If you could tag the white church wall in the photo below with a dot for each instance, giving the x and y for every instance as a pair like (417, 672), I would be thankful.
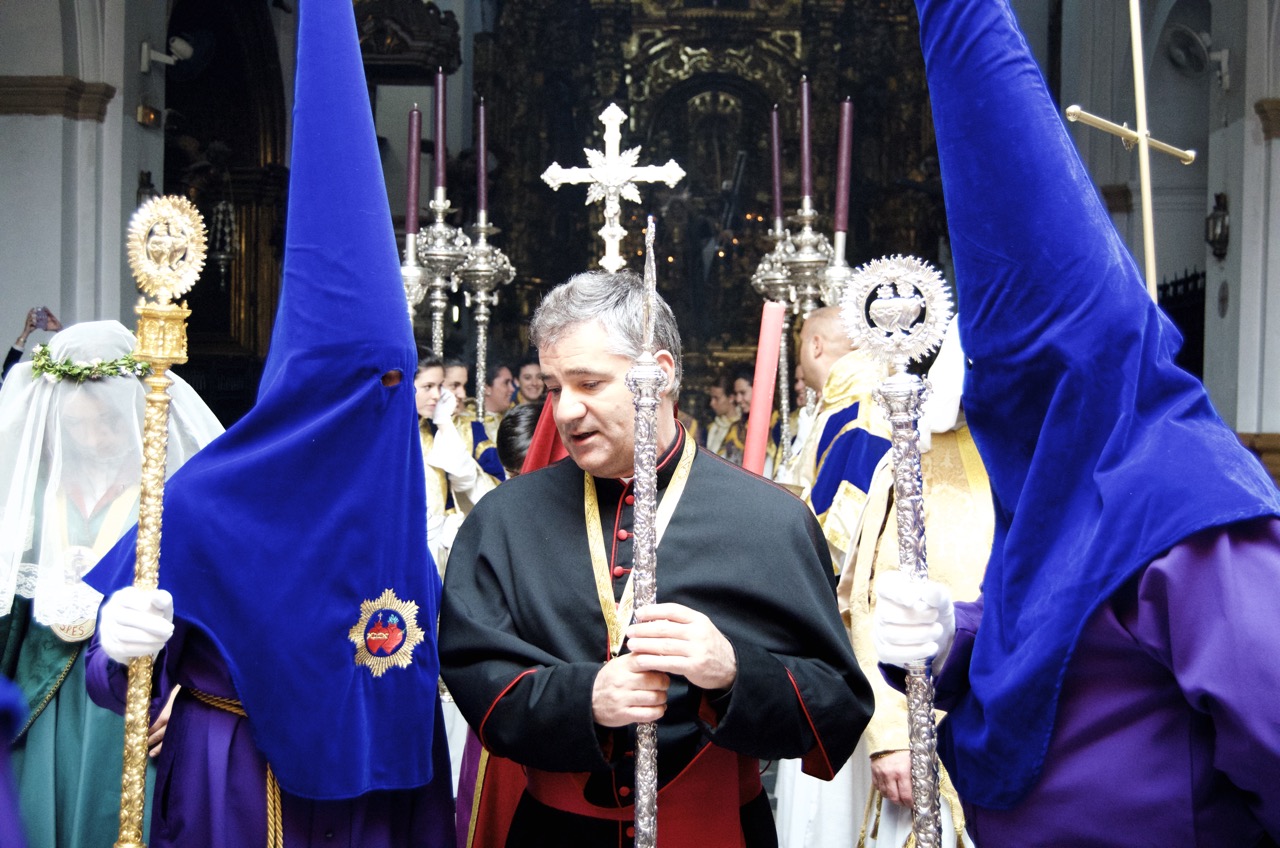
(1253, 173)
(30, 42)
(72, 181)
(1225, 303)
(140, 148)
(1178, 107)
(1265, 65)
(30, 241)
(1235, 342)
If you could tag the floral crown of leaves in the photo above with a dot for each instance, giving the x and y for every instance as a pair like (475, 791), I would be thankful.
(55, 371)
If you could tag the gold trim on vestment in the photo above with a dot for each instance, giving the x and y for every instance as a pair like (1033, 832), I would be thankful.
(475, 796)
(616, 613)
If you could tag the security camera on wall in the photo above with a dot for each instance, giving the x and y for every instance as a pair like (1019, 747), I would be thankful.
(179, 50)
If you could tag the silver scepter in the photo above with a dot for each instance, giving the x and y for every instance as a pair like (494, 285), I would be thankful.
(899, 308)
(646, 381)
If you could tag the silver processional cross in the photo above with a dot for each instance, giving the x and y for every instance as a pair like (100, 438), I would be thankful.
(611, 176)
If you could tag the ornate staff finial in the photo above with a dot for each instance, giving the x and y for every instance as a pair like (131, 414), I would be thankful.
(899, 308)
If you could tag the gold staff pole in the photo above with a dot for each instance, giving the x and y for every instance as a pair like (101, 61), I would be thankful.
(1144, 148)
(1144, 142)
(166, 253)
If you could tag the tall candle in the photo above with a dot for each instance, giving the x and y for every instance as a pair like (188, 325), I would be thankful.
(762, 388)
(844, 164)
(806, 170)
(415, 159)
(482, 156)
(439, 128)
(775, 137)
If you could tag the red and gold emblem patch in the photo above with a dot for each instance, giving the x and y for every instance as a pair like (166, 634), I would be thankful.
(386, 633)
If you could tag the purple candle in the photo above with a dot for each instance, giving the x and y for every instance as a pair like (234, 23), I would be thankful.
(775, 137)
(482, 156)
(415, 158)
(806, 171)
(844, 163)
(439, 153)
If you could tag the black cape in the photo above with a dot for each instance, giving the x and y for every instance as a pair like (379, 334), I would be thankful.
(519, 596)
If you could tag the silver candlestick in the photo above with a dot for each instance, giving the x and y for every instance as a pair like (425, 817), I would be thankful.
(808, 254)
(484, 269)
(441, 249)
(415, 284)
(899, 308)
(837, 273)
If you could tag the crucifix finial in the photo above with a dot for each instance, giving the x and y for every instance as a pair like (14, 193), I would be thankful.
(611, 176)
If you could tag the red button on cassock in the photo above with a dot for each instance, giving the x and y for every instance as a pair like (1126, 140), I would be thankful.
(624, 791)
(618, 571)
(630, 499)
(623, 535)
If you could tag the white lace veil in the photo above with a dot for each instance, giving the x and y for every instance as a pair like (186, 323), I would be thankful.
(71, 458)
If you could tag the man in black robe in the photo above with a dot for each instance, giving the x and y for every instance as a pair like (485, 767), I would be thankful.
(743, 658)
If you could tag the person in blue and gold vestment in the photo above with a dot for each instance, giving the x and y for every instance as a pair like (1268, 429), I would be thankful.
(848, 436)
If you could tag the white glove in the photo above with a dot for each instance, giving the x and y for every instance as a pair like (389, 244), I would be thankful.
(448, 453)
(913, 620)
(445, 407)
(135, 622)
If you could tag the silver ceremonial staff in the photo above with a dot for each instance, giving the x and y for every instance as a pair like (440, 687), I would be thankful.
(647, 382)
(898, 307)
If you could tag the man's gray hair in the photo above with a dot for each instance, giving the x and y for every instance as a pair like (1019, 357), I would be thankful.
(617, 302)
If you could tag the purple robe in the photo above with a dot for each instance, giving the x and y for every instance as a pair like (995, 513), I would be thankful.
(1167, 731)
(211, 778)
(12, 712)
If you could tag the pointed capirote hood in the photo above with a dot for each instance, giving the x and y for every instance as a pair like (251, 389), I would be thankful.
(297, 541)
(1102, 453)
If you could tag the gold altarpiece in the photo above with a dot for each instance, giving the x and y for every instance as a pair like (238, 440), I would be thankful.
(698, 80)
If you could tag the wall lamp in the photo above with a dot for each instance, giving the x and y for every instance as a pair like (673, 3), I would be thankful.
(1217, 227)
